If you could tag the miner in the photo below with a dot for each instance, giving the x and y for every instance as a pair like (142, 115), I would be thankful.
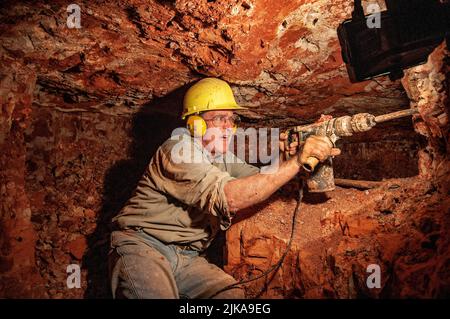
(178, 207)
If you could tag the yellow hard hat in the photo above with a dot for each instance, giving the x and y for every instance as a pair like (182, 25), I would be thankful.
(209, 94)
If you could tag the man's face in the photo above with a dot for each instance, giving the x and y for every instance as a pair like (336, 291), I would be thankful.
(219, 130)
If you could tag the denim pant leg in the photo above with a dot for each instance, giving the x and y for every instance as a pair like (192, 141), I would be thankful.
(138, 270)
(198, 278)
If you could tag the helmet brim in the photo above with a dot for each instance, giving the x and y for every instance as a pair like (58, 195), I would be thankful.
(216, 108)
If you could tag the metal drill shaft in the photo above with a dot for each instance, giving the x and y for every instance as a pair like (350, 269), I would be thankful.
(395, 115)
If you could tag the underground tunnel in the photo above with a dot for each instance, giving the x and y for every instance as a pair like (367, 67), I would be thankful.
(87, 100)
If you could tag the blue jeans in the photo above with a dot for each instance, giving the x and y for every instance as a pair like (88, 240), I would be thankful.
(143, 267)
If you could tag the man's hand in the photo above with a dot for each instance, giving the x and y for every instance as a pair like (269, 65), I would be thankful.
(319, 147)
(292, 147)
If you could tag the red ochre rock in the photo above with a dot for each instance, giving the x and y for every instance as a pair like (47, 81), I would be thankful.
(77, 247)
(82, 111)
(402, 226)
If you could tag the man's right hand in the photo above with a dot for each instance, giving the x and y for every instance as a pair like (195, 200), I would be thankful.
(319, 147)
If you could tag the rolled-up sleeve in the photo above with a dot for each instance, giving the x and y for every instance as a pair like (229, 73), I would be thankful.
(240, 170)
(192, 182)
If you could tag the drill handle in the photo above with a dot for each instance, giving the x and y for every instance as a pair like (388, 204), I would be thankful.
(292, 136)
(286, 145)
(310, 164)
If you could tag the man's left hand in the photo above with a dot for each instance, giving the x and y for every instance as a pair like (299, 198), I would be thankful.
(293, 147)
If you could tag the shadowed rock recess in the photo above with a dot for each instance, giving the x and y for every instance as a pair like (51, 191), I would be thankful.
(83, 110)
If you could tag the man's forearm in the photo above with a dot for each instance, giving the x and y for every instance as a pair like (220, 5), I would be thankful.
(250, 190)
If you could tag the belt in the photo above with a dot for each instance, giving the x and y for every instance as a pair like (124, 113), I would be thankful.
(181, 247)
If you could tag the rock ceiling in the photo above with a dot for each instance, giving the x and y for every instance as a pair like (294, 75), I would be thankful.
(282, 57)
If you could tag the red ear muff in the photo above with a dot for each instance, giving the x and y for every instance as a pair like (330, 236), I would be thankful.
(196, 125)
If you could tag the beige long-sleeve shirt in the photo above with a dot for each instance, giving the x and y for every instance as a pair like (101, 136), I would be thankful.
(180, 198)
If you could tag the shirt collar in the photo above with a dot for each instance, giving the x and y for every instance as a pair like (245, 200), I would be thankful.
(218, 158)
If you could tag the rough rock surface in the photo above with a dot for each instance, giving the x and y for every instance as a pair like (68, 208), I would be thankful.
(283, 56)
(18, 237)
(402, 226)
(82, 111)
